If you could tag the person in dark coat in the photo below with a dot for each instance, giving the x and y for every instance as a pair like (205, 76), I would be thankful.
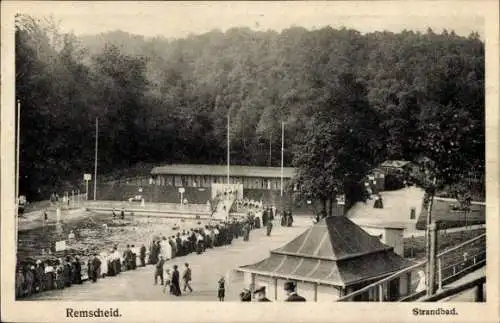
(122, 214)
(60, 275)
(67, 272)
(154, 253)
(221, 289)
(256, 222)
(30, 280)
(111, 266)
(78, 271)
(246, 232)
(264, 218)
(39, 277)
(96, 268)
(269, 227)
(143, 256)
(192, 241)
(246, 295)
(126, 258)
(187, 277)
(20, 282)
(261, 294)
(159, 270)
(291, 291)
(290, 219)
(173, 247)
(133, 256)
(178, 244)
(176, 288)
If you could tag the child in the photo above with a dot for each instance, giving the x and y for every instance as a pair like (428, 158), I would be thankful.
(221, 289)
(168, 281)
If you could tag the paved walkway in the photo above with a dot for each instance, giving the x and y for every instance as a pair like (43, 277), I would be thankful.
(396, 211)
(207, 269)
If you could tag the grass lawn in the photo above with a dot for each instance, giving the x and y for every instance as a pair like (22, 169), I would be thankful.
(441, 211)
(415, 247)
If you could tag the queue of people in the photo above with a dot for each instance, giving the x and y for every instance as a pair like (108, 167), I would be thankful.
(41, 275)
(36, 276)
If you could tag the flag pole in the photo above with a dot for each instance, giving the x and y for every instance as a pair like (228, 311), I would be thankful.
(18, 145)
(228, 153)
(270, 150)
(17, 149)
(96, 147)
(282, 151)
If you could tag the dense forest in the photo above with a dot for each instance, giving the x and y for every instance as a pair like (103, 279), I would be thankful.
(348, 101)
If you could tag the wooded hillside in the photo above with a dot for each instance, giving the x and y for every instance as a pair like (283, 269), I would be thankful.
(348, 100)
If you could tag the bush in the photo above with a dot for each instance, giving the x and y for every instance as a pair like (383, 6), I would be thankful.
(394, 182)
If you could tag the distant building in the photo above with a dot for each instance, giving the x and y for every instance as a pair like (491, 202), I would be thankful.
(389, 234)
(251, 177)
(331, 259)
(398, 166)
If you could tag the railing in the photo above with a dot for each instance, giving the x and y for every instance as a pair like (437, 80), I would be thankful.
(477, 284)
(166, 207)
(379, 291)
(409, 284)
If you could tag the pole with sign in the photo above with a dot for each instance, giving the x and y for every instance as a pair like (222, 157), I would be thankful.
(87, 178)
(182, 190)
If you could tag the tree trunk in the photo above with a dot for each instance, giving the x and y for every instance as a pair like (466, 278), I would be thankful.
(324, 202)
(330, 206)
(333, 200)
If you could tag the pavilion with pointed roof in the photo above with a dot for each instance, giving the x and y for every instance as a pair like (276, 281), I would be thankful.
(330, 259)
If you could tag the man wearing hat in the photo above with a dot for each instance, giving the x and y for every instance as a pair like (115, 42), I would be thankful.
(291, 291)
(261, 294)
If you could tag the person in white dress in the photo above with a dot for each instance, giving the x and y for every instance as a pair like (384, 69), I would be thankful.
(103, 257)
(166, 249)
(421, 282)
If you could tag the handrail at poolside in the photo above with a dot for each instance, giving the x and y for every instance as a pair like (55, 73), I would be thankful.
(461, 245)
(380, 284)
(458, 289)
(382, 281)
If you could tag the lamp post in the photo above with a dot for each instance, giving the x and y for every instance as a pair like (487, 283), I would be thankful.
(96, 147)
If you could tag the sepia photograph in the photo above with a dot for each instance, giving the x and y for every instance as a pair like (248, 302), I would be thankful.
(247, 152)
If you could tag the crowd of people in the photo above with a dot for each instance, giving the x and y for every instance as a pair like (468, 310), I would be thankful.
(259, 293)
(58, 273)
(36, 276)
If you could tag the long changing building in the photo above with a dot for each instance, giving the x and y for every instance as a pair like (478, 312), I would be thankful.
(251, 177)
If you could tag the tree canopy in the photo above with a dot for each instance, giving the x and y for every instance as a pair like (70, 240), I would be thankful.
(348, 101)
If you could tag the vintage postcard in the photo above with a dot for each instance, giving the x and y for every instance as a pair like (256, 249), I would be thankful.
(172, 161)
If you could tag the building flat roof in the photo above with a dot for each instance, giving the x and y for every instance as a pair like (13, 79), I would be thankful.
(221, 170)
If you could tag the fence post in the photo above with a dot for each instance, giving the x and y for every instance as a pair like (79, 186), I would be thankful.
(408, 283)
(440, 274)
(381, 292)
(431, 286)
(479, 293)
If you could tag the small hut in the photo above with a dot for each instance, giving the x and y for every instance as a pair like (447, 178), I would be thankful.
(331, 259)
